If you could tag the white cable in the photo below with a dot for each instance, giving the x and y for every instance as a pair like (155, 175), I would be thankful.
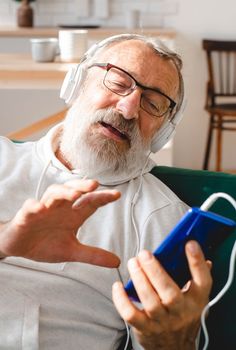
(126, 324)
(133, 203)
(197, 340)
(128, 335)
(135, 228)
(211, 199)
(37, 192)
(205, 206)
(219, 295)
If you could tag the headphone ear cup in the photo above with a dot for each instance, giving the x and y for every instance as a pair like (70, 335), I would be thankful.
(67, 84)
(163, 135)
(167, 130)
(72, 83)
(75, 76)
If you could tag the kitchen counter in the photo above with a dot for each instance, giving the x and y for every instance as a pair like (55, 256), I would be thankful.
(20, 71)
(96, 34)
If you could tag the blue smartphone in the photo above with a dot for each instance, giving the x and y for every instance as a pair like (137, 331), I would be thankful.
(207, 228)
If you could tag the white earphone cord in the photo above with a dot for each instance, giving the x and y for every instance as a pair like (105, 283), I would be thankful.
(205, 206)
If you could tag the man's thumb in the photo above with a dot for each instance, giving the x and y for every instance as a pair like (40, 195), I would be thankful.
(96, 256)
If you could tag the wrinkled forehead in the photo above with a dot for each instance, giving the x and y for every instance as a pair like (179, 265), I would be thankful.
(142, 61)
(129, 52)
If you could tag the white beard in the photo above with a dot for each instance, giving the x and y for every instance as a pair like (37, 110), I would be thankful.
(95, 154)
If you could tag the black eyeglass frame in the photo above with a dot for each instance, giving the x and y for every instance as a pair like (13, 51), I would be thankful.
(108, 66)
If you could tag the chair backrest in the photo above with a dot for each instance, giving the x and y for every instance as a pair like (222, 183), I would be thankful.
(193, 187)
(221, 61)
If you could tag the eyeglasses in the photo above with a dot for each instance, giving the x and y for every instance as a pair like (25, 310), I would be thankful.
(152, 101)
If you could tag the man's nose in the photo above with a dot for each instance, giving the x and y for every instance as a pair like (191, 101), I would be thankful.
(129, 105)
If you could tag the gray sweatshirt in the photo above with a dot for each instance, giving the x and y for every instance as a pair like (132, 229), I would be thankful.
(69, 305)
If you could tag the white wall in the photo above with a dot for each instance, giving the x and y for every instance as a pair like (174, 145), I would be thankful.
(197, 20)
(104, 12)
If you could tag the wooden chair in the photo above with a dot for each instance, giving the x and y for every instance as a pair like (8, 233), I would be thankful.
(221, 93)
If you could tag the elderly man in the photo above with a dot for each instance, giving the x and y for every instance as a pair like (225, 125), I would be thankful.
(61, 257)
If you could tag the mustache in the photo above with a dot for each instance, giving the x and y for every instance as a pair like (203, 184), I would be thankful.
(116, 120)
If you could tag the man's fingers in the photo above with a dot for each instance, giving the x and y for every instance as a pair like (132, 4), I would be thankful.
(95, 256)
(79, 192)
(69, 191)
(83, 185)
(145, 288)
(198, 266)
(161, 282)
(94, 200)
(88, 203)
(57, 194)
(128, 311)
(209, 264)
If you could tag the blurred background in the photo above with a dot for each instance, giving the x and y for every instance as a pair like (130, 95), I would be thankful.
(183, 24)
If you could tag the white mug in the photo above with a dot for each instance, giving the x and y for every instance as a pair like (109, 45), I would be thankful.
(44, 49)
(132, 19)
(72, 44)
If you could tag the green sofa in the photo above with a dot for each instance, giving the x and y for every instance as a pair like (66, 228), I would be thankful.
(193, 187)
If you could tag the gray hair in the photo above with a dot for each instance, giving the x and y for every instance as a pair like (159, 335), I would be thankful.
(155, 44)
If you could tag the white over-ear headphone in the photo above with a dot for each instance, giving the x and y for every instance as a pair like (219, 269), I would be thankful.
(76, 76)
(167, 130)
(72, 83)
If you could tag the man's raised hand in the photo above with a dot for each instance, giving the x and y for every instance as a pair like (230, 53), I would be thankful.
(45, 230)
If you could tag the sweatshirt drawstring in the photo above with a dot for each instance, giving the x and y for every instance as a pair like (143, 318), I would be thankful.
(133, 203)
(37, 192)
